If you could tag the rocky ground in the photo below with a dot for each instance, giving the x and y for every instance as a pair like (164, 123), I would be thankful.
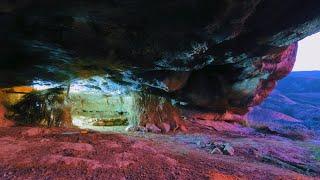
(209, 150)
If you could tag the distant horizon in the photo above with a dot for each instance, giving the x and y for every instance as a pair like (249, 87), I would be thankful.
(306, 71)
(308, 56)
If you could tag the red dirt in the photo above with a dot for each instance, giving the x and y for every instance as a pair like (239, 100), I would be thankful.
(34, 153)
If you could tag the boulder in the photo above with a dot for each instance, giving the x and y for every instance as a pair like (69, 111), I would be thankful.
(228, 149)
(153, 128)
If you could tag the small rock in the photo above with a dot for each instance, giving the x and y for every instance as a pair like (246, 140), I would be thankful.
(209, 144)
(44, 140)
(136, 129)
(201, 144)
(69, 133)
(153, 128)
(218, 144)
(165, 127)
(131, 128)
(84, 132)
(142, 129)
(111, 122)
(228, 149)
(254, 152)
(35, 132)
(216, 151)
(183, 128)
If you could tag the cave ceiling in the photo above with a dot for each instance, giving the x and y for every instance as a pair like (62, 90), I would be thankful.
(222, 55)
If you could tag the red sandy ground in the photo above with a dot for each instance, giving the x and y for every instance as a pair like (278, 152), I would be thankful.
(35, 153)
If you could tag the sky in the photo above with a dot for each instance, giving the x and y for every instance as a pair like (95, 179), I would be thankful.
(308, 57)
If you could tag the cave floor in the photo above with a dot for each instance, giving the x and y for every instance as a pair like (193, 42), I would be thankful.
(57, 153)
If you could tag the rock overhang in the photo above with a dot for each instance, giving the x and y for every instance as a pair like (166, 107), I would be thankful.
(215, 55)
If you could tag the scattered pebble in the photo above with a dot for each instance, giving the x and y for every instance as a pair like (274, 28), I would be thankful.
(216, 151)
(165, 127)
(35, 131)
(136, 129)
(84, 132)
(228, 149)
(153, 128)
(69, 133)
(217, 147)
(201, 144)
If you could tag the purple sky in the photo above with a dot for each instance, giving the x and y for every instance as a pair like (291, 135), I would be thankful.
(308, 57)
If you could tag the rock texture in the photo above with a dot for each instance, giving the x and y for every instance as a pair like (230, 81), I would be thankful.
(217, 55)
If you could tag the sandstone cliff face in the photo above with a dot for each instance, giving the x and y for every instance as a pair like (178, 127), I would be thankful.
(221, 56)
(277, 68)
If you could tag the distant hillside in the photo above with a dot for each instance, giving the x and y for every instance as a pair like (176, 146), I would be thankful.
(294, 105)
(304, 82)
(305, 74)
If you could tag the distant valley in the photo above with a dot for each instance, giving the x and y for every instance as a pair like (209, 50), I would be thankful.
(293, 107)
